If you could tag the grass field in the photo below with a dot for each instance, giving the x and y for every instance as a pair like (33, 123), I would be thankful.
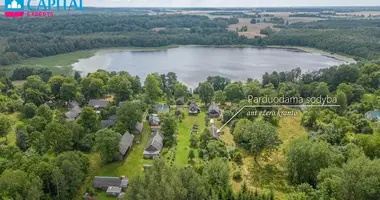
(253, 29)
(11, 136)
(184, 133)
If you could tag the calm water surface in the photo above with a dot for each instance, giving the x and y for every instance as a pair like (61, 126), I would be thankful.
(194, 64)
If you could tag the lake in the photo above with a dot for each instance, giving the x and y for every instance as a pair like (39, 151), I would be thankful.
(194, 64)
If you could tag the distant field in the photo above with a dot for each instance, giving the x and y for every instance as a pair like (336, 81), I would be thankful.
(253, 29)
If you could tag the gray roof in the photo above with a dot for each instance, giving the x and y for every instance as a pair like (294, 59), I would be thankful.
(154, 120)
(106, 181)
(155, 143)
(162, 108)
(73, 104)
(114, 189)
(193, 108)
(214, 107)
(214, 132)
(139, 126)
(125, 142)
(73, 113)
(101, 103)
(112, 117)
(107, 123)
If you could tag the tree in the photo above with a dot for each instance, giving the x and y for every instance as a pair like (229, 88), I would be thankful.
(167, 184)
(58, 137)
(347, 90)
(216, 175)
(218, 82)
(128, 114)
(342, 102)
(89, 120)
(20, 185)
(121, 86)
(234, 91)
(37, 142)
(35, 91)
(107, 144)
(38, 123)
(77, 76)
(5, 125)
(356, 179)
(55, 83)
(45, 112)
(93, 88)
(169, 128)
(68, 91)
(193, 141)
(220, 97)
(22, 139)
(206, 92)
(253, 21)
(191, 155)
(306, 158)
(321, 90)
(180, 90)
(152, 89)
(215, 149)
(256, 137)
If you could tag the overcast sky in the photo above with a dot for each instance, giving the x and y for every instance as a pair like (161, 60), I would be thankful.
(227, 3)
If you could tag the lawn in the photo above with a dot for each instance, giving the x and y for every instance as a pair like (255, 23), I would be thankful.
(183, 137)
(11, 136)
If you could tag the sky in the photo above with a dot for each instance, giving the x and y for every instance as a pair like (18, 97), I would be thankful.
(227, 3)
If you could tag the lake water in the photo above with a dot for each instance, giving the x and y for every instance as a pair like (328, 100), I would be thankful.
(194, 64)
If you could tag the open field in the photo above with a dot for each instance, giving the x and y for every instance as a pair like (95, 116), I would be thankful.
(253, 29)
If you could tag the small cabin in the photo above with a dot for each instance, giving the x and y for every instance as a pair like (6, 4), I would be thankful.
(214, 111)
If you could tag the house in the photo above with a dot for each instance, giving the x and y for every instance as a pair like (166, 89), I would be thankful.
(162, 108)
(112, 185)
(72, 104)
(138, 128)
(154, 146)
(373, 115)
(73, 113)
(154, 122)
(98, 104)
(194, 109)
(125, 144)
(214, 131)
(110, 121)
(214, 111)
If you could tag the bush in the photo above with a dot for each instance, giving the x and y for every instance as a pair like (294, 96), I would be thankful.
(180, 101)
(236, 176)
(238, 157)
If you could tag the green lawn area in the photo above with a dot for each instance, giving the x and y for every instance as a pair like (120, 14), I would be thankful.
(183, 138)
(11, 136)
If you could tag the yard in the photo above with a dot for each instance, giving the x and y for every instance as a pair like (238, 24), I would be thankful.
(183, 138)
